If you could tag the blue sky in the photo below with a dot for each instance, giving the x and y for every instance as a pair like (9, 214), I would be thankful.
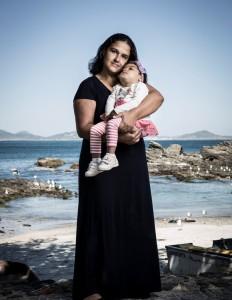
(185, 45)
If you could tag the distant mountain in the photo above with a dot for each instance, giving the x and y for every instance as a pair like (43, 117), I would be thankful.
(203, 135)
(72, 135)
(5, 135)
(21, 135)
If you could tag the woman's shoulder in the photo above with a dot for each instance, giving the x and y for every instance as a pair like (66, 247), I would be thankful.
(88, 81)
(86, 89)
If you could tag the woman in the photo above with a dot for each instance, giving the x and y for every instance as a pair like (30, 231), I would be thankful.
(116, 251)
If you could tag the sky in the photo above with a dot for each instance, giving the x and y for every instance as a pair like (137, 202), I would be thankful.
(185, 45)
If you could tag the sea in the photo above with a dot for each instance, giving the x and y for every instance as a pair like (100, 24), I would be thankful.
(171, 198)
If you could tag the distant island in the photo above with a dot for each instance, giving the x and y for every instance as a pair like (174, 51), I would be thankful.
(72, 135)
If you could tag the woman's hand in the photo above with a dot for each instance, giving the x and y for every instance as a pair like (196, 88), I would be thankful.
(128, 121)
(131, 137)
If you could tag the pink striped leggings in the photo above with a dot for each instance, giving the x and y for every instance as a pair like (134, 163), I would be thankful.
(110, 128)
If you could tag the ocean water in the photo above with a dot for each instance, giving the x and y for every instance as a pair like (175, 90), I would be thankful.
(171, 198)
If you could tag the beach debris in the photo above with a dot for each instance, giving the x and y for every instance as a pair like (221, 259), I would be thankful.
(188, 259)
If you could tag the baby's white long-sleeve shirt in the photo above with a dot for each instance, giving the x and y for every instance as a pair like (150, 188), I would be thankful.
(132, 96)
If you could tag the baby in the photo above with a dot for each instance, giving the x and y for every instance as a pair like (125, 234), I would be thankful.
(125, 96)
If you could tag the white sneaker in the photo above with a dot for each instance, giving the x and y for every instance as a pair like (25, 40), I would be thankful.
(108, 162)
(93, 169)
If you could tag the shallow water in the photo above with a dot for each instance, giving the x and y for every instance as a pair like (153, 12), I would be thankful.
(171, 198)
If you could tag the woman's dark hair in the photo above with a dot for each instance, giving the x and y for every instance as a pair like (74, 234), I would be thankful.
(96, 64)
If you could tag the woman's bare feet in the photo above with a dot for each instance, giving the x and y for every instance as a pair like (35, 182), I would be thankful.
(95, 296)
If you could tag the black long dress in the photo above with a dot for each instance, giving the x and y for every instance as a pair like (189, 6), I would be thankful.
(116, 250)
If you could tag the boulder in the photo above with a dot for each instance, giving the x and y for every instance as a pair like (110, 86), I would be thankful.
(222, 152)
(16, 271)
(174, 149)
(74, 166)
(49, 162)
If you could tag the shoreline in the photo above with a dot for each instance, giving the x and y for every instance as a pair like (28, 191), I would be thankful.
(30, 230)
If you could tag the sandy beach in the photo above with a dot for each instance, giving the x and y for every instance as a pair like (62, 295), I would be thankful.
(50, 253)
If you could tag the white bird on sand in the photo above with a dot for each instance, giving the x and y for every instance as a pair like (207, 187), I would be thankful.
(179, 223)
(53, 183)
(210, 167)
(189, 214)
(48, 181)
(207, 172)
(60, 186)
(204, 212)
(6, 192)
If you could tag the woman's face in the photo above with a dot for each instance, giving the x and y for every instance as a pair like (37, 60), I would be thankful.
(116, 56)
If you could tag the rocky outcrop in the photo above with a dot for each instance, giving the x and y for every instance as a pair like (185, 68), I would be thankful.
(49, 162)
(214, 162)
(15, 188)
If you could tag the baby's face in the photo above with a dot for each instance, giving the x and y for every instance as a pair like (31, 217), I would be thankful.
(129, 75)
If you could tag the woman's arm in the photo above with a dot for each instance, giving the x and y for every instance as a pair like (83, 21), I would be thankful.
(150, 104)
(84, 110)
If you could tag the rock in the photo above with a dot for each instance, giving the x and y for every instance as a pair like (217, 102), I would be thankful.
(211, 163)
(19, 187)
(74, 166)
(221, 152)
(174, 149)
(16, 271)
(49, 162)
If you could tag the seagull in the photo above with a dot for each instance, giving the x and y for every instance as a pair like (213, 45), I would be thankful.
(207, 172)
(15, 171)
(189, 214)
(204, 212)
(179, 223)
(60, 187)
(210, 167)
(6, 192)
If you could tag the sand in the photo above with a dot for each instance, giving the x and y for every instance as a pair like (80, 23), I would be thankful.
(50, 253)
